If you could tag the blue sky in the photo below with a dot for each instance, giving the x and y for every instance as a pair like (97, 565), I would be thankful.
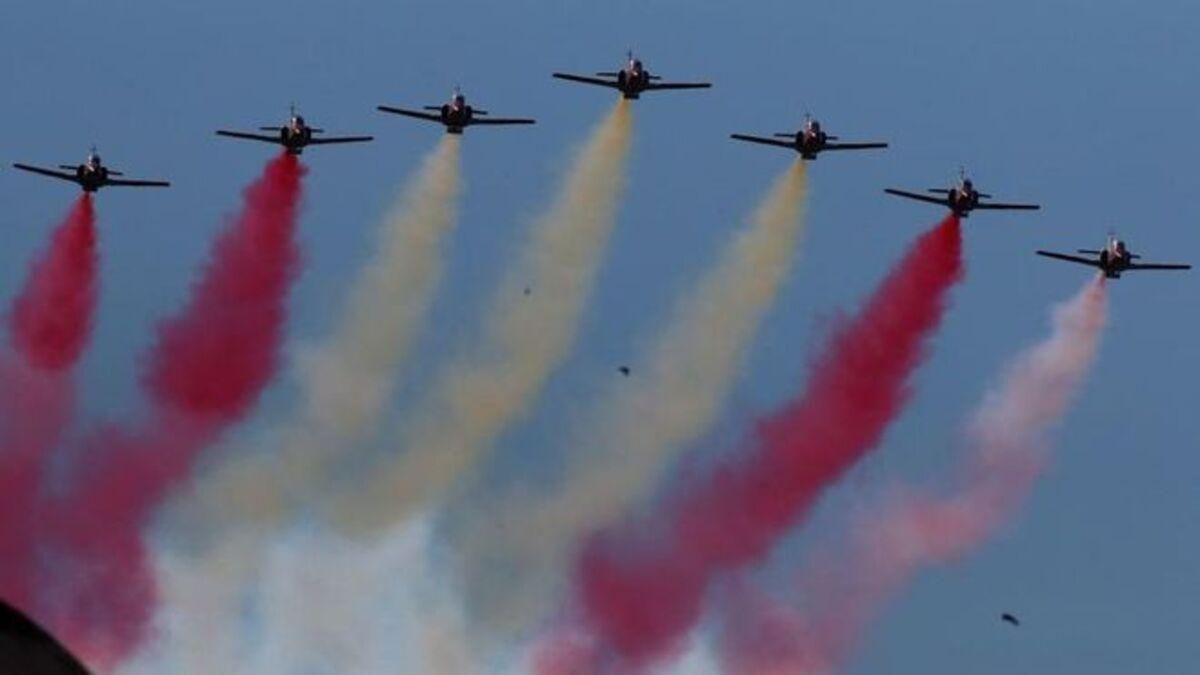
(1085, 106)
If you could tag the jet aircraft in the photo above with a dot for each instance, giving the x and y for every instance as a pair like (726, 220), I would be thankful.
(293, 136)
(809, 141)
(91, 175)
(631, 80)
(455, 115)
(962, 198)
(1113, 260)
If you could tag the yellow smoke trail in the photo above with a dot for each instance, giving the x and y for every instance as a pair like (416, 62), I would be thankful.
(641, 424)
(525, 337)
(346, 384)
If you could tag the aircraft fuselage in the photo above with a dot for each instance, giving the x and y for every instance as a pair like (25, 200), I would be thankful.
(1114, 260)
(809, 143)
(456, 117)
(295, 138)
(633, 81)
(962, 201)
(91, 177)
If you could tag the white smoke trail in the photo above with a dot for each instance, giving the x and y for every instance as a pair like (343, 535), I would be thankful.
(325, 606)
(1008, 438)
(524, 338)
(637, 429)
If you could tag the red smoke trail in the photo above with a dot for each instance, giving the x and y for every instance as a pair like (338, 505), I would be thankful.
(1008, 440)
(52, 317)
(641, 592)
(207, 369)
(49, 324)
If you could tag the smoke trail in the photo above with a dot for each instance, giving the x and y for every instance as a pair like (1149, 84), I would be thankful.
(49, 323)
(1008, 439)
(52, 316)
(524, 338)
(524, 538)
(206, 370)
(641, 592)
(345, 384)
(347, 381)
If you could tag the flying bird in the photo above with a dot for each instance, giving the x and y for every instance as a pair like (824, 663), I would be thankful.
(1009, 618)
(624, 370)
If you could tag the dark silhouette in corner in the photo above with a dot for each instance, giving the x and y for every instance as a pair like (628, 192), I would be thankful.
(27, 649)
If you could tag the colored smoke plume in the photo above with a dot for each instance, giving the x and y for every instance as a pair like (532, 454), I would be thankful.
(524, 338)
(641, 592)
(346, 383)
(49, 325)
(641, 423)
(207, 369)
(51, 318)
(1007, 442)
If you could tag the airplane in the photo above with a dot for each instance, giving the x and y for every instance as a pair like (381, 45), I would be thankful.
(962, 198)
(632, 80)
(1113, 260)
(294, 136)
(456, 115)
(91, 175)
(809, 141)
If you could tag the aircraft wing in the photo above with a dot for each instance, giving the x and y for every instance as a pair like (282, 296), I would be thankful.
(654, 86)
(765, 141)
(1090, 262)
(432, 117)
(137, 183)
(1007, 207)
(917, 196)
(854, 146)
(588, 80)
(61, 175)
(1157, 266)
(253, 137)
(340, 139)
(501, 120)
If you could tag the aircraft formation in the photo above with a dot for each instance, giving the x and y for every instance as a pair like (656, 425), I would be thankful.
(631, 81)
(456, 115)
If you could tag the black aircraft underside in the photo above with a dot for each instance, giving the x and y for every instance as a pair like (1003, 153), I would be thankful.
(807, 149)
(455, 121)
(1112, 266)
(93, 180)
